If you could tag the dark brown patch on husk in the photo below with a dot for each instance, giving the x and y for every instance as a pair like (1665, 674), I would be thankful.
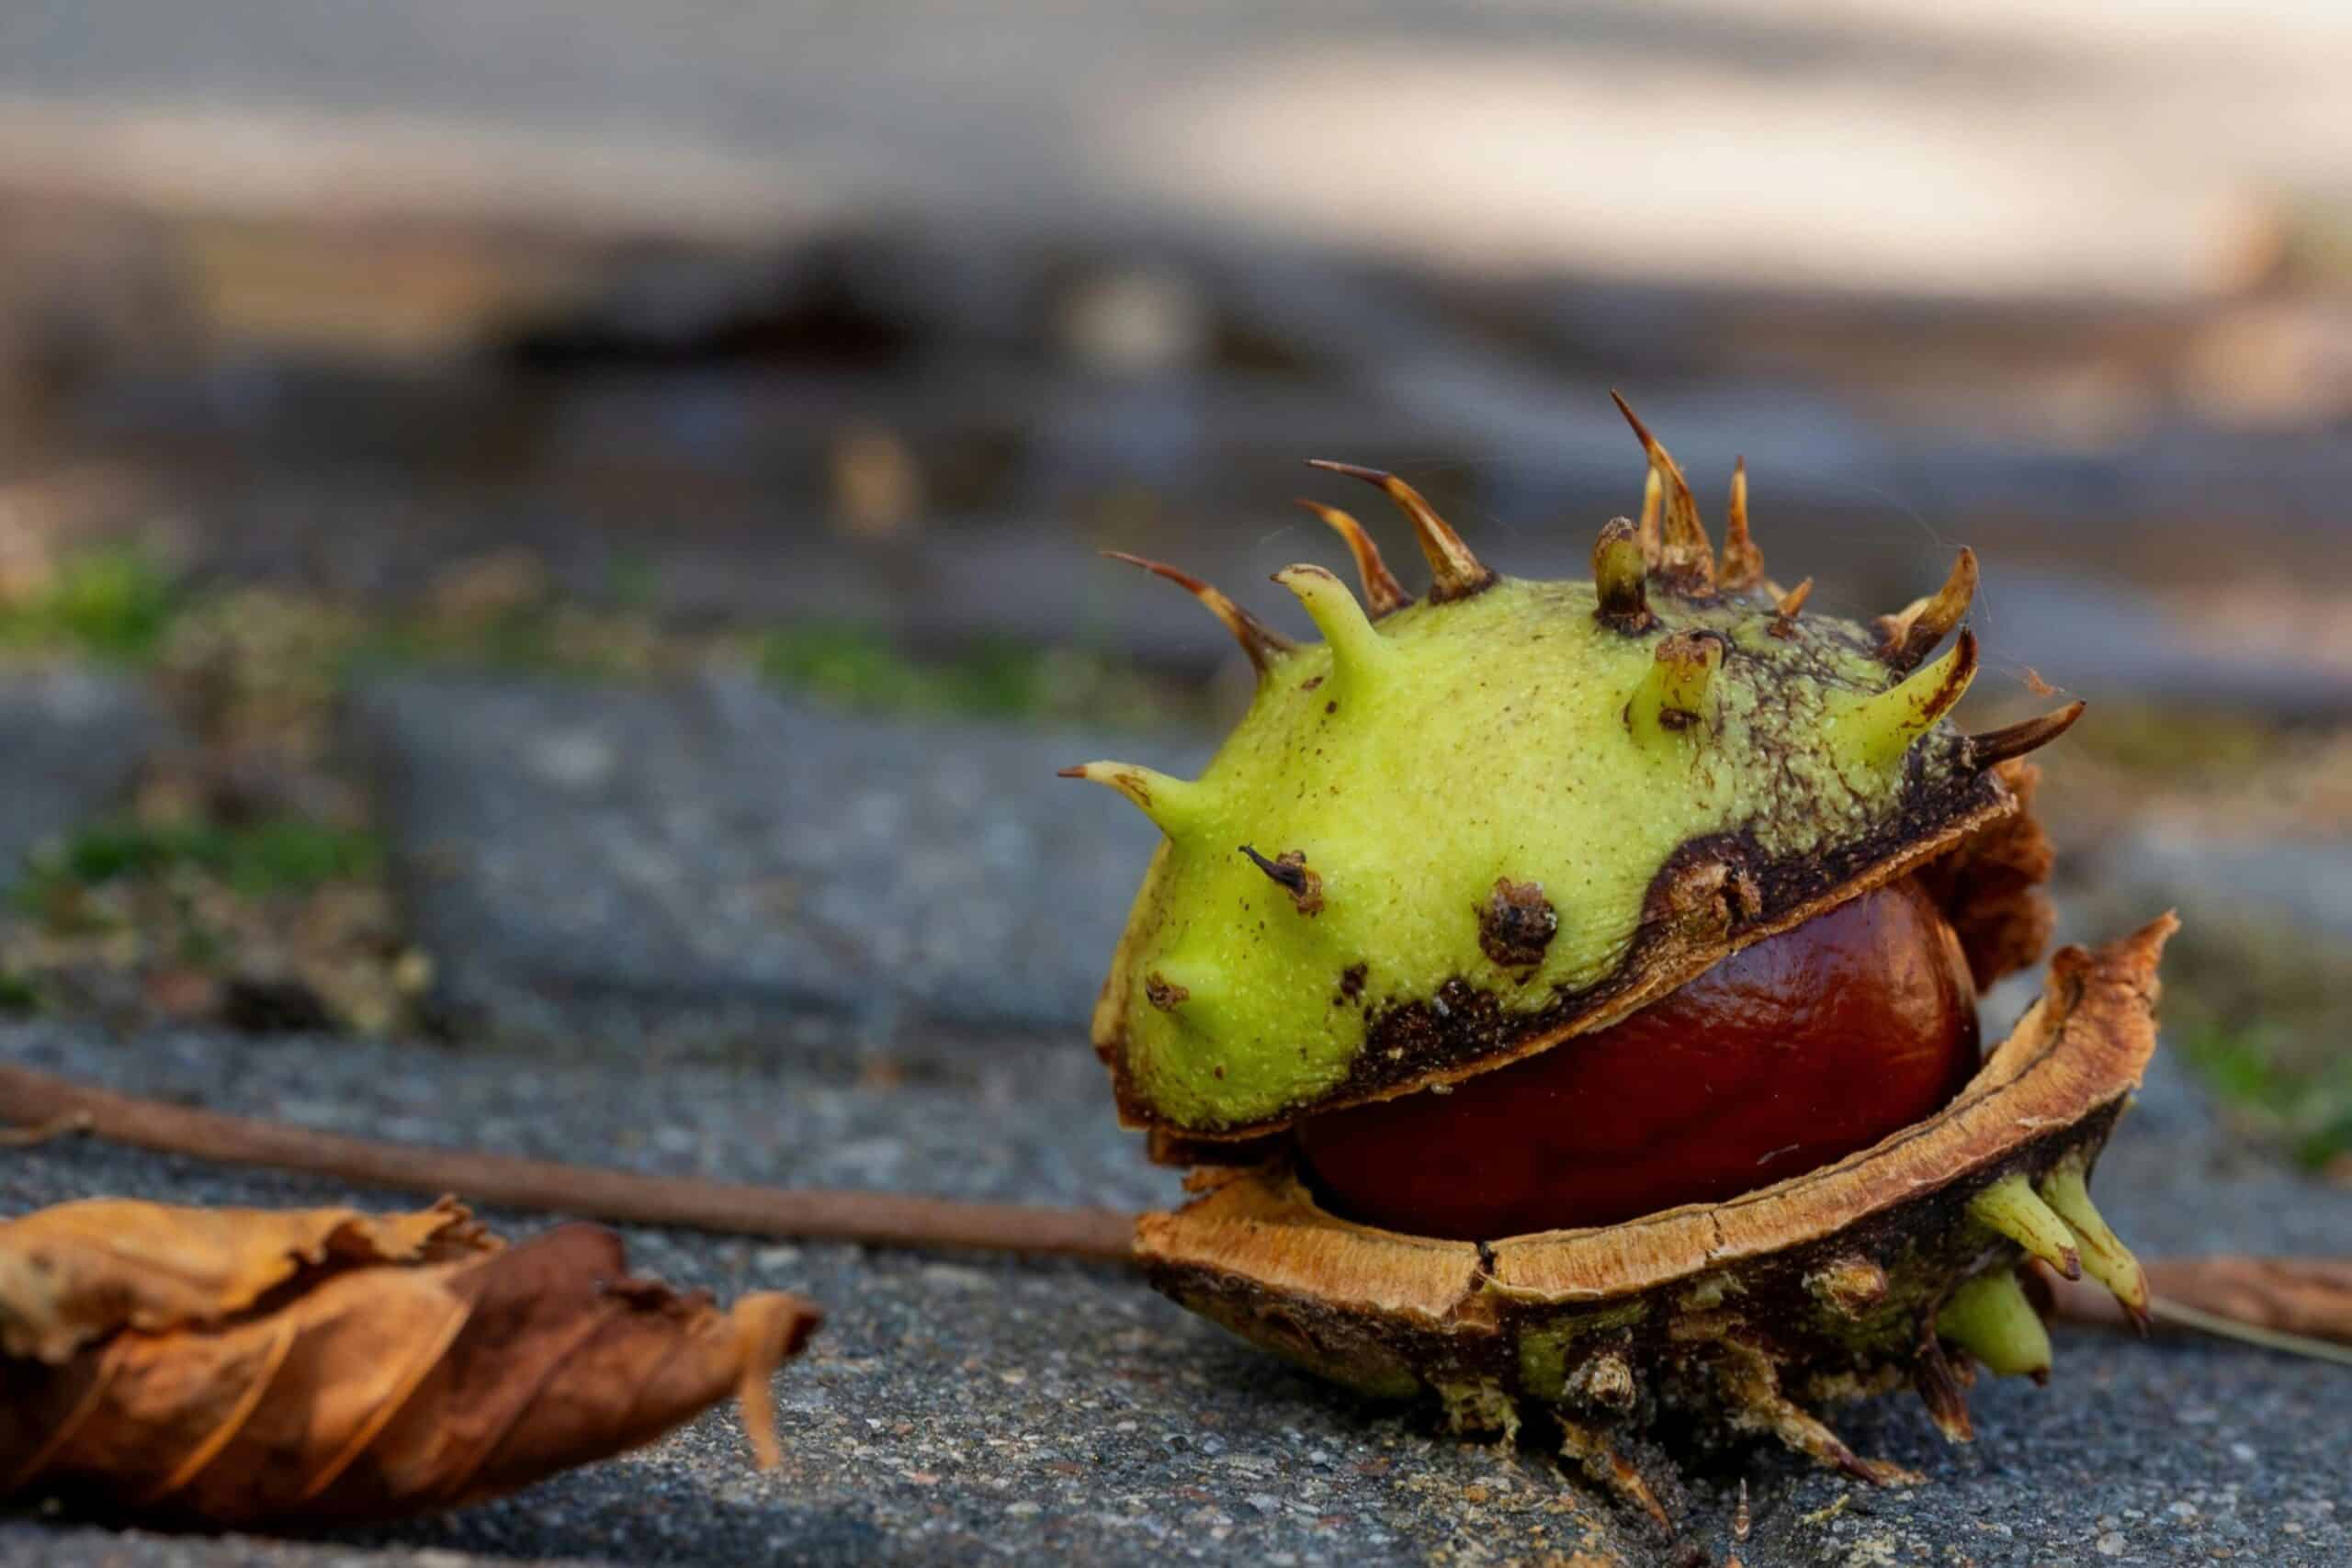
(1517, 924)
(1289, 871)
(1164, 993)
(1711, 1305)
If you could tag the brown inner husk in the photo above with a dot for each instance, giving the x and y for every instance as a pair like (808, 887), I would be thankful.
(1257, 1237)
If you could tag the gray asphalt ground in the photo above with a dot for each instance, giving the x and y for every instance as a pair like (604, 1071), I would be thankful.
(75, 740)
(697, 857)
(969, 1408)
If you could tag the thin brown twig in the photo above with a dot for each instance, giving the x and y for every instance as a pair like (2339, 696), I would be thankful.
(72, 1125)
(2299, 1304)
(884, 1219)
(46, 1107)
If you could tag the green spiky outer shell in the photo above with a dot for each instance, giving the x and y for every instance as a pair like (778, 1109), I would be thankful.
(1666, 794)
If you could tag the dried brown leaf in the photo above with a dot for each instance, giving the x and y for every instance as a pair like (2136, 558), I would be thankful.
(79, 1272)
(2303, 1305)
(249, 1367)
(2309, 1296)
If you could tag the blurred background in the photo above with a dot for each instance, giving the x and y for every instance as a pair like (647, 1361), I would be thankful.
(526, 521)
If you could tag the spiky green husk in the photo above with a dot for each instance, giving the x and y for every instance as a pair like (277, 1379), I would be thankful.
(1511, 736)
(1671, 770)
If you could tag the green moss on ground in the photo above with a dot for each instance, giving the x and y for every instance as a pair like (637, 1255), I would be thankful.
(113, 604)
(2262, 1013)
(255, 859)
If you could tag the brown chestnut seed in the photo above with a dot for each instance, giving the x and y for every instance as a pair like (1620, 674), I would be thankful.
(1786, 1055)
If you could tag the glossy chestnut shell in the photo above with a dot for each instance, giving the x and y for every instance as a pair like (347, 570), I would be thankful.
(1786, 1055)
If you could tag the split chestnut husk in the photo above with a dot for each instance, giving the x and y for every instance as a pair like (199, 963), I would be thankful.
(1616, 943)
(1897, 1265)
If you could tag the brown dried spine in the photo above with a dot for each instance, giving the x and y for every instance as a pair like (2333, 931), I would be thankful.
(1454, 571)
(1383, 594)
(1289, 872)
(1517, 923)
(1260, 642)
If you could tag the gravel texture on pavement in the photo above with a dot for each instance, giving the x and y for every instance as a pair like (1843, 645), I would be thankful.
(75, 740)
(707, 859)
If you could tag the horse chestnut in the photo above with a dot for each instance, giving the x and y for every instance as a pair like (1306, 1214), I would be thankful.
(1784, 1057)
(1568, 989)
